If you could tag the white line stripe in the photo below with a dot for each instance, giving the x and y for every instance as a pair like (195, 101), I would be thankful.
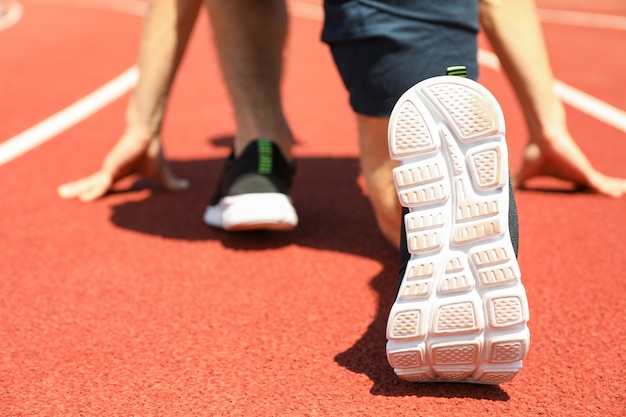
(52, 126)
(488, 59)
(85, 107)
(581, 19)
(560, 17)
(63, 120)
(586, 103)
(132, 7)
(578, 99)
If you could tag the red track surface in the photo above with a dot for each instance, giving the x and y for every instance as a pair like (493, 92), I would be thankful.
(131, 306)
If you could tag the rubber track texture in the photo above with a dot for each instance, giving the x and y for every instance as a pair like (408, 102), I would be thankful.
(461, 311)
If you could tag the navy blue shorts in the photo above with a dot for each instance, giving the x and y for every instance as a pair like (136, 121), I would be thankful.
(383, 47)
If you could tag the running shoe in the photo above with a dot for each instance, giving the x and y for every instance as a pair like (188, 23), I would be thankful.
(461, 310)
(253, 191)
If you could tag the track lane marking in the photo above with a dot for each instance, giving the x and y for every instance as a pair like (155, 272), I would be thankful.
(576, 98)
(582, 19)
(68, 117)
(80, 110)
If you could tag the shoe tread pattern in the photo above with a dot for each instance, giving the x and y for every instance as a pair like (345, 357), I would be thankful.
(461, 312)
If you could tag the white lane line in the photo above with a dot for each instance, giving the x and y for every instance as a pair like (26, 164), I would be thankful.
(582, 19)
(592, 106)
(551, 16)
(576, 98)
(68, 117)
(85, 107)
(132, 7)
(52, 126)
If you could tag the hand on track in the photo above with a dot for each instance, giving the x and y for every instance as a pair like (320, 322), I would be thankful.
(131, 155)
(562, 158)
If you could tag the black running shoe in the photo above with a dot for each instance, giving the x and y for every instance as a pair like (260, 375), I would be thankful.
(461, 311)
(253, 191)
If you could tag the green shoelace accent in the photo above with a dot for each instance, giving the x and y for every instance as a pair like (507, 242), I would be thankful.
(265, 156)
(457, 70)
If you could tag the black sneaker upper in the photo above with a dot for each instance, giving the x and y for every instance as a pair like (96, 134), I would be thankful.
(261, 168)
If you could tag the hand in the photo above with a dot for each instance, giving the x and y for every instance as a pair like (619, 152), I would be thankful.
(560, 157)
(132, 154)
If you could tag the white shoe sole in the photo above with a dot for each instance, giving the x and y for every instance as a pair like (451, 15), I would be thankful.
(461, 312)
(253, 211)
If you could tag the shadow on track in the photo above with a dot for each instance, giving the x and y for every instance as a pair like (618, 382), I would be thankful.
(334, 215)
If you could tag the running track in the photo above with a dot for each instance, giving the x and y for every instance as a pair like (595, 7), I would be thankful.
(131, 306)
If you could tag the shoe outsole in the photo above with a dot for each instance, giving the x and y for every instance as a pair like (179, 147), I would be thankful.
(253, 211)
(461, 311)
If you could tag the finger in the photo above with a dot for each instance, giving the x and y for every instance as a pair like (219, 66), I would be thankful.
(623, 187)
(75, 188)
(99, 185)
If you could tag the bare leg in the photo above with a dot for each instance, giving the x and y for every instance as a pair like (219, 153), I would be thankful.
(166, 31)
(250, 37)
(515, 33)
(376, 167)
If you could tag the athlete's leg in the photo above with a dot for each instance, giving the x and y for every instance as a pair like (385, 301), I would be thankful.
(250, 37)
